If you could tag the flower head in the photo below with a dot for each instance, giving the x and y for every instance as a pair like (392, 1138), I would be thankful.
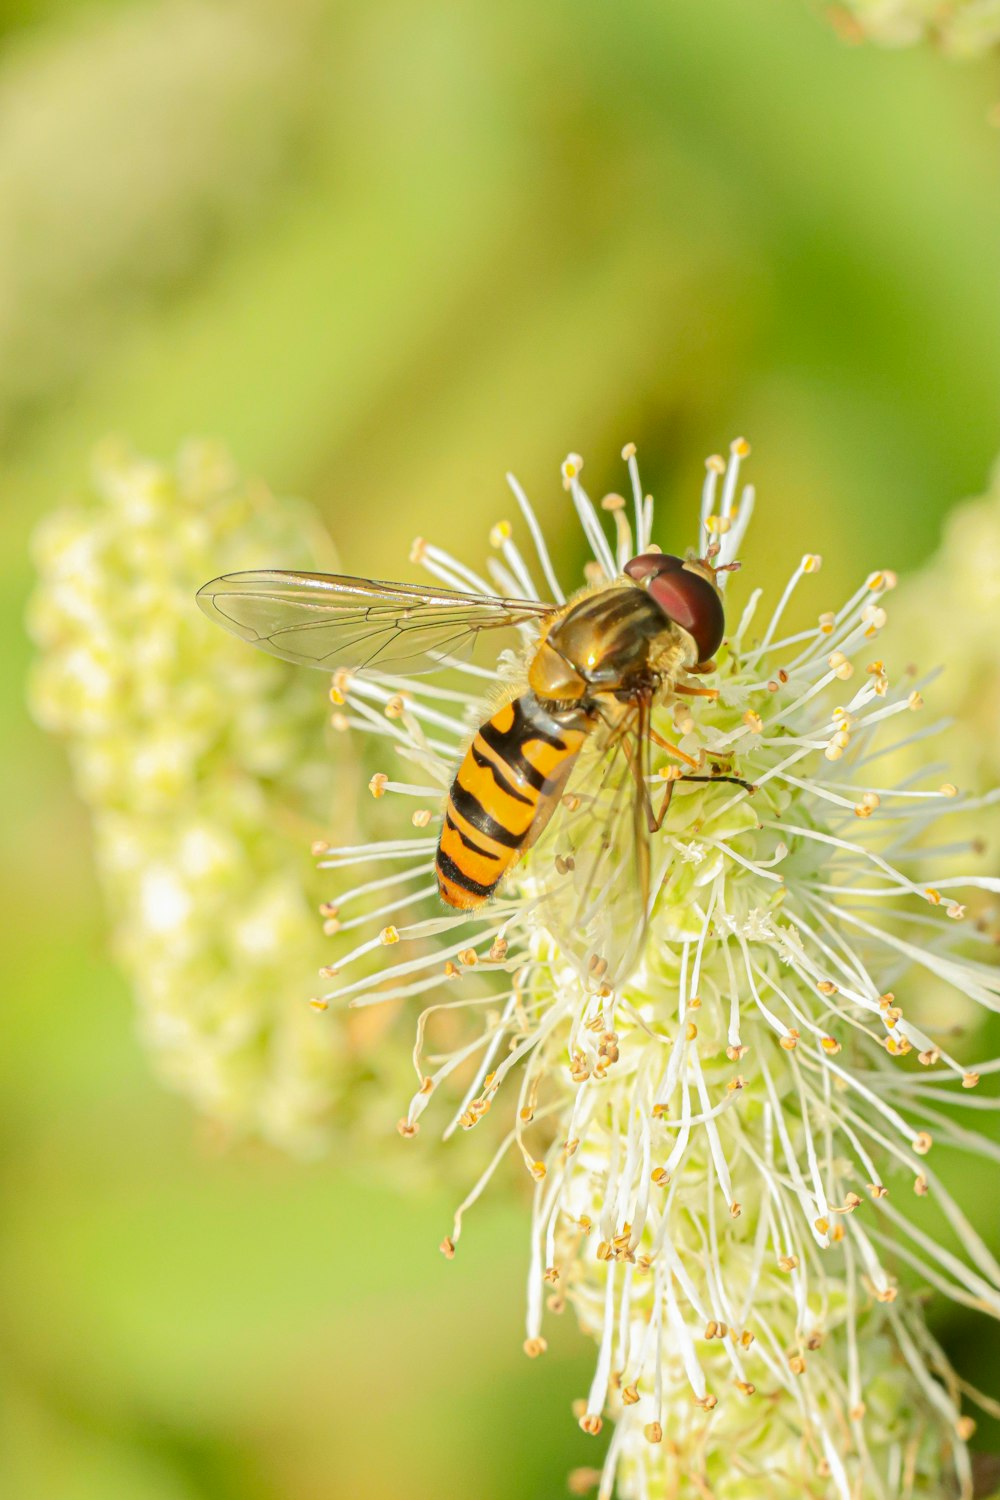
(204, 768)
(730, 1116)
(961, 27)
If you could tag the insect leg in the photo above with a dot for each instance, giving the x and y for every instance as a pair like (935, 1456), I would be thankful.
(639, 762)
(747, 786)
(665, 806)
(671, 748)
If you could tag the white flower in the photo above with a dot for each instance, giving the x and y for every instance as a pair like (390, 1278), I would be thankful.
(204, 768)
(732, 1133)
(961, 27)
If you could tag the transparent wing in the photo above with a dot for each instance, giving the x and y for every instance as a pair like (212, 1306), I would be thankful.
(590, 869)
(326, 620)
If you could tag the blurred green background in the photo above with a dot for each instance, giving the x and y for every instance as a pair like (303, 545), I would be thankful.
(386, 252)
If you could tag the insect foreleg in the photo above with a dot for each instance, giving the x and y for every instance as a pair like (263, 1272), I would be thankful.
(747, 786)
(672, 749)
(636, 766)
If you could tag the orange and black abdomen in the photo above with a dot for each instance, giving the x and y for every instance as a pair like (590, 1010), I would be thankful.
(507, 788)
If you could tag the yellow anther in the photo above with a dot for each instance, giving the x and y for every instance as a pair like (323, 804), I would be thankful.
(571, 466)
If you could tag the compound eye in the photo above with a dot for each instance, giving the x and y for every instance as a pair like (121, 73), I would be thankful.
(650, 564)
(693, 602)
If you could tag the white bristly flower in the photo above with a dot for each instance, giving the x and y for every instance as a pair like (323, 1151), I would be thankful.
(205, 767)
(733, 1150)
(963, 28)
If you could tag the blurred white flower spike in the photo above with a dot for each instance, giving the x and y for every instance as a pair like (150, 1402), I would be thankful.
(959, 28)
(204, 769)
(731, 1126)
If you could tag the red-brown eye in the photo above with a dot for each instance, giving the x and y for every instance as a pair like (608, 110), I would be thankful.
(687, 597)
(649, 563)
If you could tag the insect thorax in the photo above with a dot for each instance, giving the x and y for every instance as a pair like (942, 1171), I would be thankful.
(616, 640)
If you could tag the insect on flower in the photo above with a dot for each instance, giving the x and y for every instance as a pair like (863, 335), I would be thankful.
(730, 1081)
(571, 733)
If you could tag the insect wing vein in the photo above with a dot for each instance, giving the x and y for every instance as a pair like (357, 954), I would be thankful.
(329, 620)
(590, 869)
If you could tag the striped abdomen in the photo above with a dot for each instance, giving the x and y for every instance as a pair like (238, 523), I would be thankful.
(507, 788)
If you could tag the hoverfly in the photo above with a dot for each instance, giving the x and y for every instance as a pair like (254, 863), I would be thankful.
(582, 715)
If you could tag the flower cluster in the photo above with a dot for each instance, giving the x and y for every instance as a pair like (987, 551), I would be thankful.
(961, 27)
(732, 1136)
(948, 615)
(206, 768)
